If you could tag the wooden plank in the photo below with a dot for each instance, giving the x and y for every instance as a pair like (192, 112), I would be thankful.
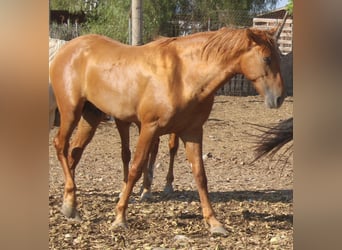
(284, 41)
(286, 48)
(270, 20)
(287, 29)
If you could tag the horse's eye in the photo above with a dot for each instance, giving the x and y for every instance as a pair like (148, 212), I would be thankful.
(267, 60)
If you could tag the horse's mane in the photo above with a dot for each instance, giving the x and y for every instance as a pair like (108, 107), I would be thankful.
(164, 41)
(223, 43)
(227, 41)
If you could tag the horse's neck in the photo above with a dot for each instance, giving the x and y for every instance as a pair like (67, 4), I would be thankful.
(205, 76)
(212, 81)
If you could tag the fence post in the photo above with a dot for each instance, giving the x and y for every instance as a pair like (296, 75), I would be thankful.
(137, 20)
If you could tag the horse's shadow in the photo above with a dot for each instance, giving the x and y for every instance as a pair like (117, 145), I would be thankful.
(271, 195)
(253, 216)
(285, 196)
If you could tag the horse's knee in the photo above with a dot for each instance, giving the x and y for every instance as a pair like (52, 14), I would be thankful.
(135, 174)
(200, 178)
(61, 147)
(57, 144)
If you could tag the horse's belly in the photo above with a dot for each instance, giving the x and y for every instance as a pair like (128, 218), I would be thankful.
(117, 106)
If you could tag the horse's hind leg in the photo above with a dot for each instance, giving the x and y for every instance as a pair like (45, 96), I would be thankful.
(70, 115)
(91, 117)
(173, 148)
(148, 171)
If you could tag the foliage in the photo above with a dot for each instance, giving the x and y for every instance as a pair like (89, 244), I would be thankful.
(110, 18)
(214, 14)
(162, 17)
(157, 15)
(69, 5)
(289, 7)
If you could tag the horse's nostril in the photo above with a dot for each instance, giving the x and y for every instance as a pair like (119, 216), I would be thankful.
(279, 101)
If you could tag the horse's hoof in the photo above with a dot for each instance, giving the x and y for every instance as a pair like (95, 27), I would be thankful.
(70, 212)
(119, 225)
(146, 196)
(219, 231)
(168, 190)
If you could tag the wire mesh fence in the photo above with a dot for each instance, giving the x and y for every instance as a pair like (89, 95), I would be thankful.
(182, 25)
(65, 31)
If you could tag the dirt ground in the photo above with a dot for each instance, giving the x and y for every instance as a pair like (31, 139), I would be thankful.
(254, 202)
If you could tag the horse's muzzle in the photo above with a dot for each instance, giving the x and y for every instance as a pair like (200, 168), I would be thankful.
(274, 102)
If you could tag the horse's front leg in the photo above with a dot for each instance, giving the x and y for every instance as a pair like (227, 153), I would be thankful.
(145, 140)
(123, 128)
(193, 148)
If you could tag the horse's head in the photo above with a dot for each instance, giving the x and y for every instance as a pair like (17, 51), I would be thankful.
(260, 63)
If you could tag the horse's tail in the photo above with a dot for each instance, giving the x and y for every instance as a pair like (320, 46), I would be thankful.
(54, 47)
(273, 138)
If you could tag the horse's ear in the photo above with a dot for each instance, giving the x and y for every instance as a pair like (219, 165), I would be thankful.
(275, 31)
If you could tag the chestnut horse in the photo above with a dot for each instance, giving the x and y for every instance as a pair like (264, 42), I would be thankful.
(166, 86)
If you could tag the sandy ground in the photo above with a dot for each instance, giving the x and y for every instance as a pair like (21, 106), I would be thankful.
(253, 201)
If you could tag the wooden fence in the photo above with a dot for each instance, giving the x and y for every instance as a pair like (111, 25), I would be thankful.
(237, 86)
(285, 38)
